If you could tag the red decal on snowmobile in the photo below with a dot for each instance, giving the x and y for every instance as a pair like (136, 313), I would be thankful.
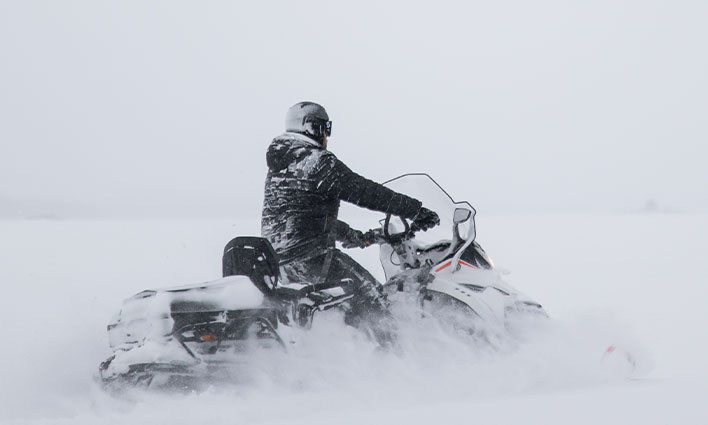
(450, 262)
(445, 265)
(468, 264)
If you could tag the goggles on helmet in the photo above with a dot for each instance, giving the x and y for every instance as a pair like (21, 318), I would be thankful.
(325, 127)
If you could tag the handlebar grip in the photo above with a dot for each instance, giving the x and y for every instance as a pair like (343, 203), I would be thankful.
(415, 228)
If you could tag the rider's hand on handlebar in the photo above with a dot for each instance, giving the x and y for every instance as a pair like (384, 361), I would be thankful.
(355, 239)
(372, 237)
(425, 219)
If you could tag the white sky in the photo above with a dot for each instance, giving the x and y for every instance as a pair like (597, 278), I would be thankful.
(167, 107)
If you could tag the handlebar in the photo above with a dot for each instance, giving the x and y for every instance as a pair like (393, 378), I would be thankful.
(396, 236)
(379, 235)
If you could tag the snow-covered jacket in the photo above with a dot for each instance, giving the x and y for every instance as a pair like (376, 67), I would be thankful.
(303, 188)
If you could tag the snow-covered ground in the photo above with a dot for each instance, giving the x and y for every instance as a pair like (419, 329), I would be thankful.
(634, 280)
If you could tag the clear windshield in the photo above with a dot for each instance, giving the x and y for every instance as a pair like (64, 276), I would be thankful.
(423, 188)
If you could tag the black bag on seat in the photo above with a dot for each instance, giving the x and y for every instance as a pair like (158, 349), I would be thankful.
(253, 257)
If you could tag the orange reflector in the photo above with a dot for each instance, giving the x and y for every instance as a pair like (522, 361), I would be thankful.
(210, 337)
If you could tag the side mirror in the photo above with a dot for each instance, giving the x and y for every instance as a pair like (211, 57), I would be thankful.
(461, 215)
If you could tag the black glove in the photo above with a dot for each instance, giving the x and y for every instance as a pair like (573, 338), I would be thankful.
(353, 239)
(373, 236)
(425, 219)
(357, 239)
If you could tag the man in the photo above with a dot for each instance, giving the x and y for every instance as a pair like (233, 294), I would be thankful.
(303, 189)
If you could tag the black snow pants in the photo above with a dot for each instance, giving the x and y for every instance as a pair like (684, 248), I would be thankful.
(369, 306)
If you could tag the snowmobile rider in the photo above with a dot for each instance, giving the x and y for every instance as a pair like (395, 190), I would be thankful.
(303, 189)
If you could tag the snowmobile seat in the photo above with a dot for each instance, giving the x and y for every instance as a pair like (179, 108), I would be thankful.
(253, 257)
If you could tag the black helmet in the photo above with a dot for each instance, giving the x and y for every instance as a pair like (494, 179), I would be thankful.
(310, 119)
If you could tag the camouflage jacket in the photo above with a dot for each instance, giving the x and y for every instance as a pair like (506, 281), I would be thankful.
(303, 189)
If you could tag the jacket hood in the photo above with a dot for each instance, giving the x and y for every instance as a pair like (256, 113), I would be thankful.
(288, 147)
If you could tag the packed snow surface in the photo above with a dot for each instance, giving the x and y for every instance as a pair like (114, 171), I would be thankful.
(634, 282)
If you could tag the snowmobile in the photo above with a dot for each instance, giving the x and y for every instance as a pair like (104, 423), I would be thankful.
(170, 337)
